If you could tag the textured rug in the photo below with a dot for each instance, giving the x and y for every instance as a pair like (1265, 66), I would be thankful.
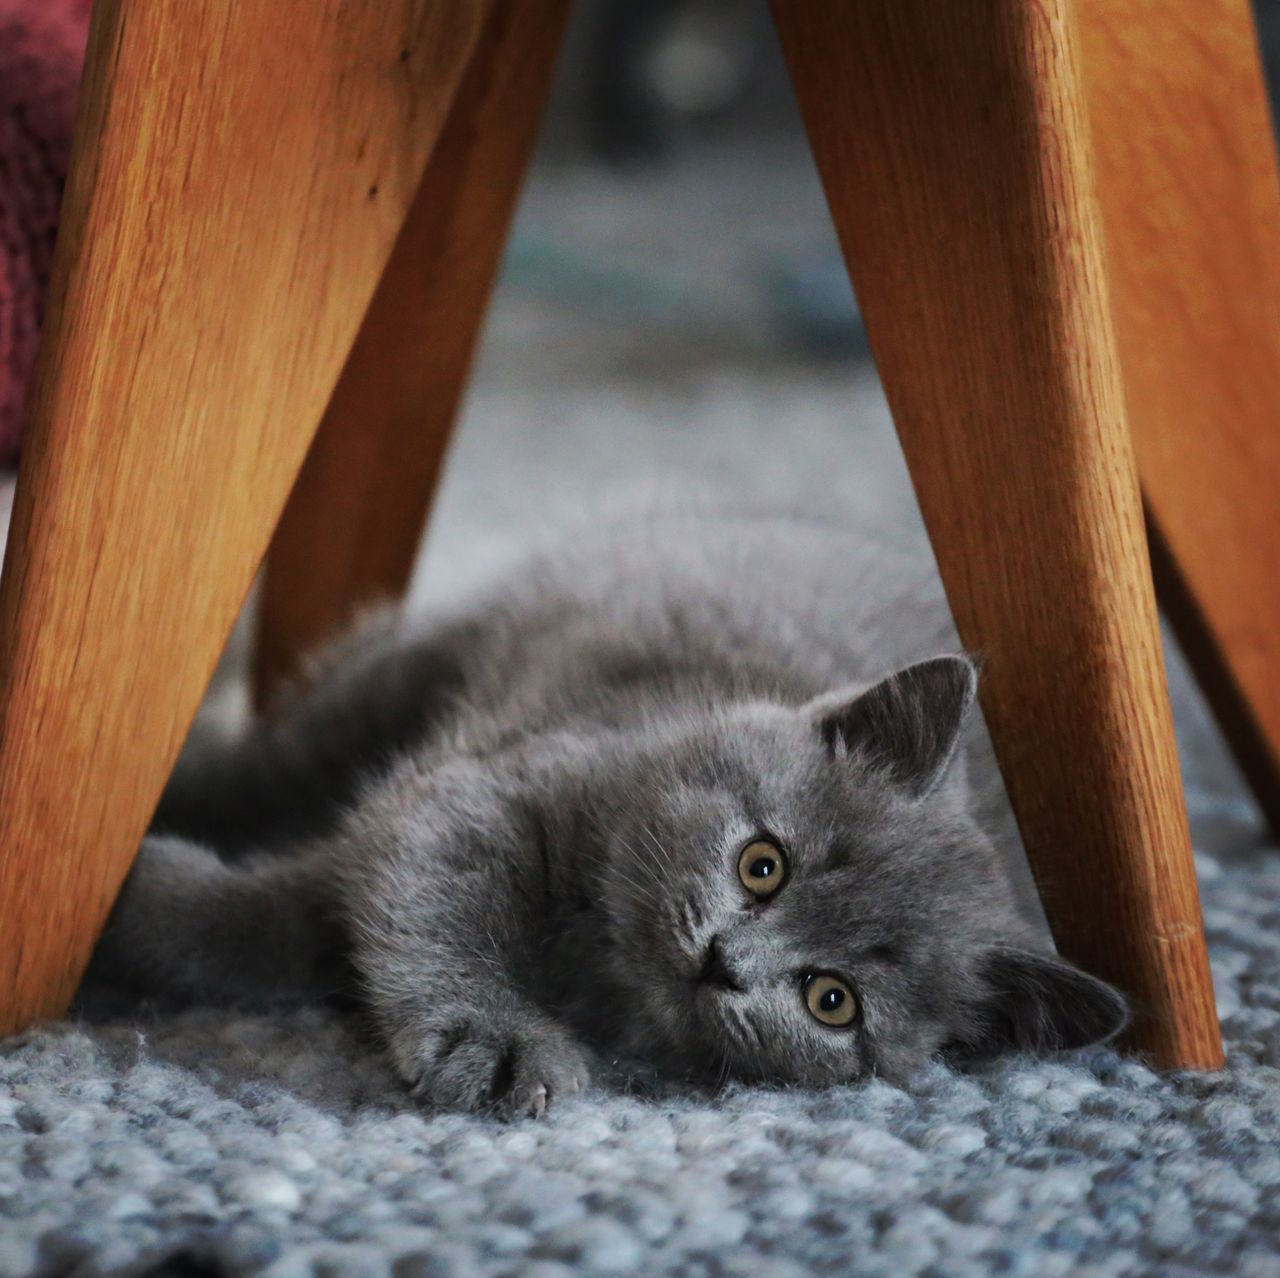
(211, 1144)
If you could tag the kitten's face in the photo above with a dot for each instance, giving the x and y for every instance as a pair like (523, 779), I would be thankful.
(790, 904)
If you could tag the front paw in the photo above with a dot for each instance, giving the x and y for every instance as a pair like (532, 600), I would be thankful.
(511, 1070)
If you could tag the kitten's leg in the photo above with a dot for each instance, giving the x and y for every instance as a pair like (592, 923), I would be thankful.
(448, 901)
(288, 777)
(188, 928)
(501, 1054)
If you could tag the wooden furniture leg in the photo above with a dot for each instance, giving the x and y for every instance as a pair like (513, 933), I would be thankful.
(351, 528)
(954, 150)
(239, 178)
(1190, 204)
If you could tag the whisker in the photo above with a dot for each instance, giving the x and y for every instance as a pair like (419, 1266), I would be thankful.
(612, 868)
(634, 862)
(663, 852)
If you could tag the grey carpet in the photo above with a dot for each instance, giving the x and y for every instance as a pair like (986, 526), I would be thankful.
(215, 1143)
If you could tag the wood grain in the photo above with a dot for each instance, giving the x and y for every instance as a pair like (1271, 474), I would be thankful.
(1190, 201)
(350, 531)
(239, 178)
(955, 155)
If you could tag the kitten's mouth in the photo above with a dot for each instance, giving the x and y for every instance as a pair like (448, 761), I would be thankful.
(702, 992)
(704, 1003)
(714, 974)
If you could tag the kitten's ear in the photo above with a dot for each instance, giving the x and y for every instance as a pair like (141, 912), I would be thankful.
(909, 723)
(1040, 1003)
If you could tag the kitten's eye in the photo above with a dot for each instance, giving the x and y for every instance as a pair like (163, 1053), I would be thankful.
(761, 868)
(829, 1000)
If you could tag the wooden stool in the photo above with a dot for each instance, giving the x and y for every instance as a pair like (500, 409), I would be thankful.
(241, 176)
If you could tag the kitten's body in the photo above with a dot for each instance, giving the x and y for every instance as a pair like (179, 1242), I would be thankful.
(522, 826)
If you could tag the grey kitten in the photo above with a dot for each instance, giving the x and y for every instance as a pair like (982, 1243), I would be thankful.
(695, 788)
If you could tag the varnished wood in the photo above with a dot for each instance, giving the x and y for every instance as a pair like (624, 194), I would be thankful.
(1190, 201)
(238, 181)
(955, 155)
(350, 531)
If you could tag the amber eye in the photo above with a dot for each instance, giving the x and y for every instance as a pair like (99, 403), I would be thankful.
(761, 867)
(829, 1000)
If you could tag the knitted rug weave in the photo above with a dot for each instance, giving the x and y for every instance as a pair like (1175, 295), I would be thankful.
(216, 1143)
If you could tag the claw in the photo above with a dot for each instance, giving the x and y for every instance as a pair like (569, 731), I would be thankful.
(536, 1103)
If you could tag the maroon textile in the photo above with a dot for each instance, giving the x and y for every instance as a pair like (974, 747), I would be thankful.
(41, 51)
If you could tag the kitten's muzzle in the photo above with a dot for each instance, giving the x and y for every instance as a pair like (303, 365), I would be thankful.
(716, 970)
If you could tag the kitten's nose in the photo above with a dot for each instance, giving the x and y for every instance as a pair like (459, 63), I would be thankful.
(716, 971)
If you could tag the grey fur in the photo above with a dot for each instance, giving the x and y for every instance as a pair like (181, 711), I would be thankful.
(518, 828)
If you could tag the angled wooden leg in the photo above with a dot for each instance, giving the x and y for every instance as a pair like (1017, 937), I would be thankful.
(351, 528)
(1190, 204)
(953, 148)
(238, 182)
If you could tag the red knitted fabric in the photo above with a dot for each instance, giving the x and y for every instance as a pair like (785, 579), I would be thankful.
(41, 51)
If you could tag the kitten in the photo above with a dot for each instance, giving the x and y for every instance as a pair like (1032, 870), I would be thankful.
(696, 788)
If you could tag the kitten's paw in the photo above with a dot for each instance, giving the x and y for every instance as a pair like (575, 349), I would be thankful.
(146, 945)
(516, 1071)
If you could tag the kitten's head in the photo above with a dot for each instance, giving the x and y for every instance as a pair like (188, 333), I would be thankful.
(797, 894)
